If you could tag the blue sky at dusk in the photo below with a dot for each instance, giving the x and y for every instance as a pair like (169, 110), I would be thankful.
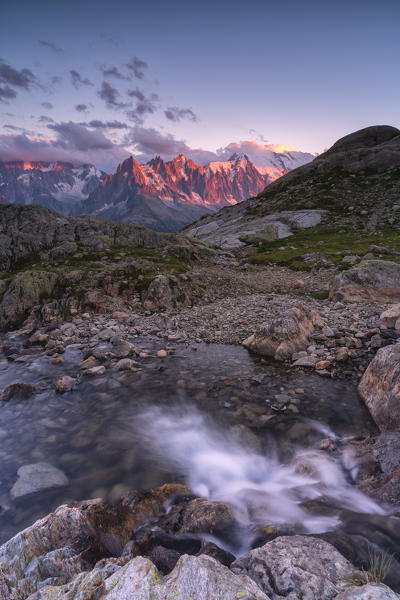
(96, 81)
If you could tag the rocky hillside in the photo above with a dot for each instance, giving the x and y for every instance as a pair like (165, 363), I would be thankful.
(59, 186)
(354, 186)
(83, 261)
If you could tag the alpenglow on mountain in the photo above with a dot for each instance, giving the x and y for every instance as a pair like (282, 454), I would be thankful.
(160, 195)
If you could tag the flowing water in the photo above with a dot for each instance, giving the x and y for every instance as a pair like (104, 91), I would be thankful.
(233, 427)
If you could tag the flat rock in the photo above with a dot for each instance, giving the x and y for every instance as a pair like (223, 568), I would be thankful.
(37, 477)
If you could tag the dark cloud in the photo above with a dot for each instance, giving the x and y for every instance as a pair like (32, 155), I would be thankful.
(137, 67)
(144, 106)
(52, 47)
(113, 72)
(137, 94)
(7, 93)
(78, 80)
(56, 79)
(74, 143)
(45, 119)
(13, 127)
(47, 105)
(97, 124)
(81, 107)
(110, 95)
(174, 113)
(23, 79)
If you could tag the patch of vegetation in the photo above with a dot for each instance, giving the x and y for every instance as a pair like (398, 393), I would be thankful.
(323, 295)
(326, 246)
(379, 566)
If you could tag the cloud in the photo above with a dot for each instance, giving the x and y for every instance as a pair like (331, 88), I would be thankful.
(113, 72)
(81, 107)
(56, 79)
(110, 95)
(7, 93)
(176, 114)
(97, 124)
(78, 80)
(73, 143)
(144, 106)
(148, 142)
(45, 119)
(47, 105)
(137, 67)
(23, 79)
(53, 47)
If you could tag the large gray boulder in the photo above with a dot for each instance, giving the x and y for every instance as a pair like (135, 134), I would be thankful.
(370, 591)
(380, 388)
(376, 280)
(283, 336)
(193, 578)
(296, 568)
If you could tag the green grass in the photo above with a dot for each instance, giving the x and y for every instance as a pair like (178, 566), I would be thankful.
(330, 246)
(379, 566)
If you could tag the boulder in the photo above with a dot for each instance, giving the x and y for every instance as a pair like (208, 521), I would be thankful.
(207, 516)
(25, 291)
(167, 291)
(283, 336)
(37, 477)
(193, 578)
(380, 388)
(18, 391)
(374, 280)
(370, 591)
(296, 568)
(390, 316)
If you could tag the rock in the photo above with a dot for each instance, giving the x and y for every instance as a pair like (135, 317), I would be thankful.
(65, 384)
(380, 388)
(342, 354)
(89, 363)
(100, 370)
(126, 364)
(389, 316)
(322, 364)
(387, 451)
(18, 391)
(298, 283)
(283, 336)
(106, 334)
(57, 361)
(207, 516)
(376, 341)
(193, 578)
(26, 290)
(167, 291)
(296, 568)
(162, 353)
(375, 280)
(326, 330)
(305, 361)
(370, 591)
(121, 348)
(37, 477)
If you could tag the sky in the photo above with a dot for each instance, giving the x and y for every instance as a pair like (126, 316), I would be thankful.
(96, 81)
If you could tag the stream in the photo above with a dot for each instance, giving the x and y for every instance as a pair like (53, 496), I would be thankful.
(234, 427)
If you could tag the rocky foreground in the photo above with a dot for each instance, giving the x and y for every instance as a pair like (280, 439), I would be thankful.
(156, 545)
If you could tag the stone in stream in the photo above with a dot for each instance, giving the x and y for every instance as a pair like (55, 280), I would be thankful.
(18, 391)
(380, 388)
(65, 384)
(283, 336)
(37, 477)
(387, 451)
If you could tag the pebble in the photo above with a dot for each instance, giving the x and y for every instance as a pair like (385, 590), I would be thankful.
(65, 384)
(162, 353)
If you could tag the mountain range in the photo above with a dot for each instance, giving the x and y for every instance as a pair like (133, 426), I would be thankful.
(161, 195)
